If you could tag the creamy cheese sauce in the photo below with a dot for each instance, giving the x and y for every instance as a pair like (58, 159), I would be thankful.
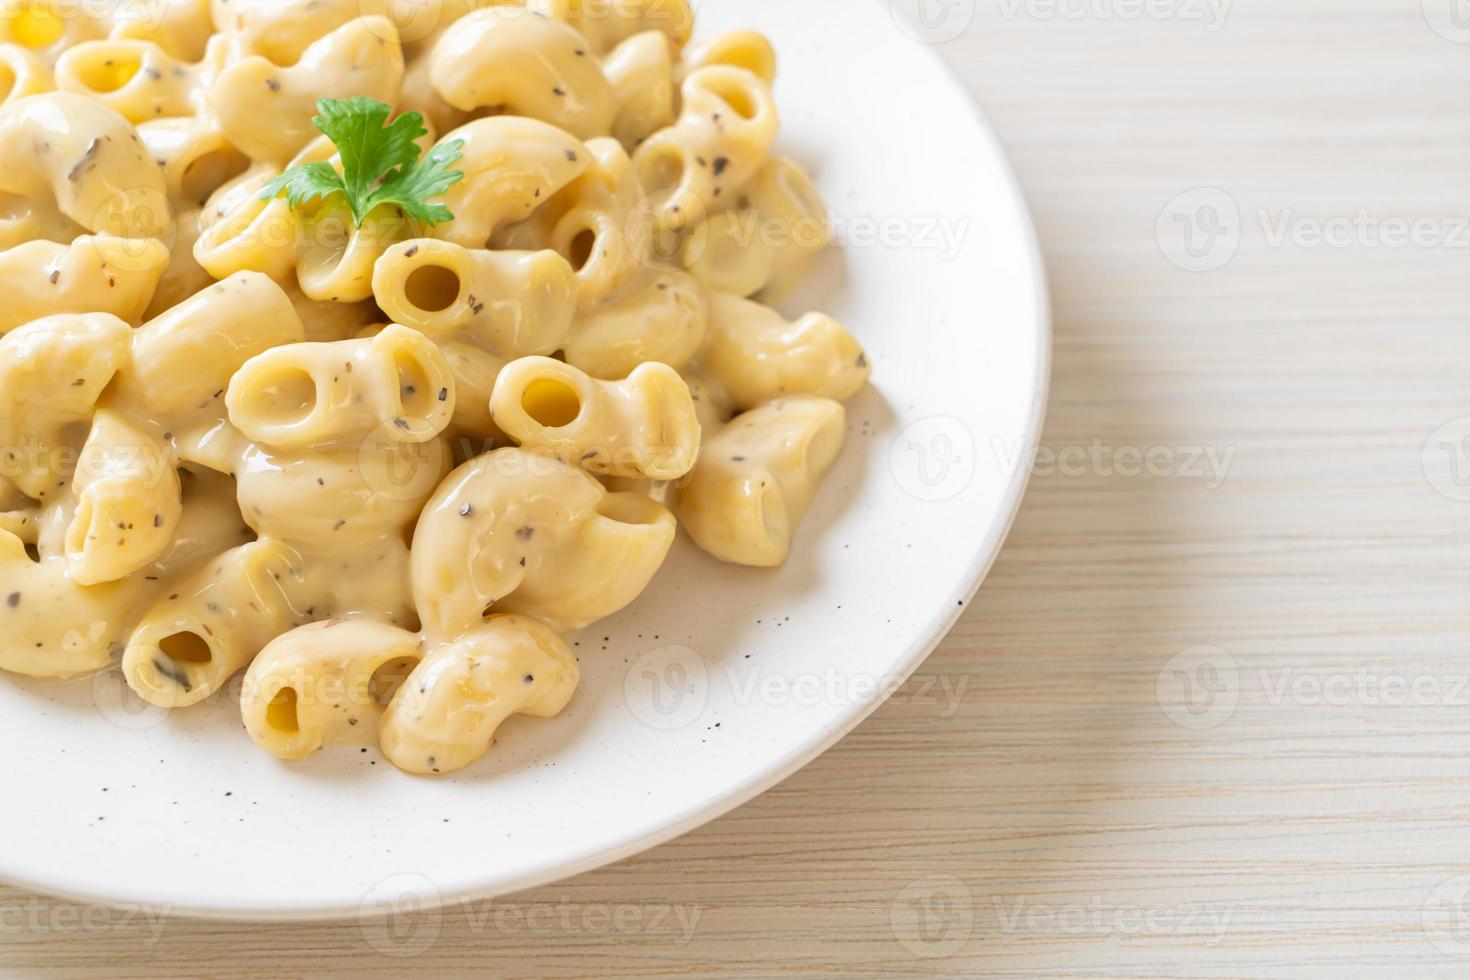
(379, 463)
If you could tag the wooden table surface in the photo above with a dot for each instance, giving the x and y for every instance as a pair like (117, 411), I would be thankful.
(1210, 714)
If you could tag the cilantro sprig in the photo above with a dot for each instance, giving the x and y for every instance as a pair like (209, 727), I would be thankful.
(380, 163)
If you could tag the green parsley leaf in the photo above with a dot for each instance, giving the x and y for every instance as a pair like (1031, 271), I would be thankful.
(305, 183)
(380, 163)
(411, 187)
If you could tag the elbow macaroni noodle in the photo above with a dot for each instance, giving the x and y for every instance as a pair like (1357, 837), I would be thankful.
(509, 304)
(316, 396)
(376, 464)
(128, 501)
(511, 167)
(22, 73)
(512, 60)
(757, 477)
(641, 73)
(183, 28)
(446, 713)
(93, 274)
(47, 28)
(265, 108)
(756, 356)
(592, 223)
(720, 140)
(643, 427)
(764, 247)
(70, 165)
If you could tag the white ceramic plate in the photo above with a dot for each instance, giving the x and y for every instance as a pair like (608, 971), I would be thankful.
(718, 683)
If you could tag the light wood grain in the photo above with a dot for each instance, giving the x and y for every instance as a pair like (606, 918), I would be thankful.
(1078, 830)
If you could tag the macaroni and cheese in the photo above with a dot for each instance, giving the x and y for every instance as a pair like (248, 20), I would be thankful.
(368, 347)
